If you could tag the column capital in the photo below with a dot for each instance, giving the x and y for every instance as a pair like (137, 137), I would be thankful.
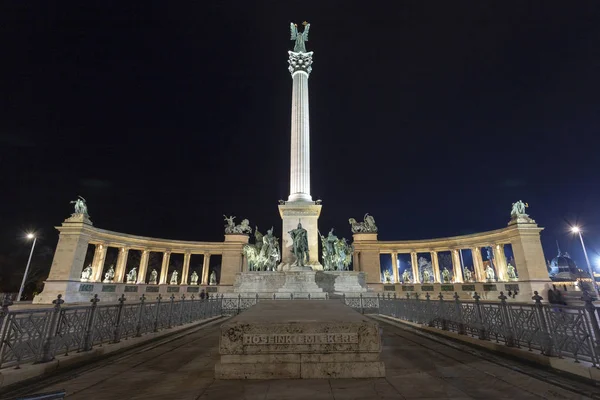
(300, 62)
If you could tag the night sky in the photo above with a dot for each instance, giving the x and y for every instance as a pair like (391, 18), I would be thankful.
(433, 116)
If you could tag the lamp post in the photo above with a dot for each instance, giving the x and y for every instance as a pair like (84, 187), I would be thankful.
(29, 236)
(576, 229)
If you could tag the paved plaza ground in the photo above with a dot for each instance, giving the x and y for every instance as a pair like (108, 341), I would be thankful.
(418, 367)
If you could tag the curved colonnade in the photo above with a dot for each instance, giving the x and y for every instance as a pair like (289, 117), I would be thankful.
(77, 233)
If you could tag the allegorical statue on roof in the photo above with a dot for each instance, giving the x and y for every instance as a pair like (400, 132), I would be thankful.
(80, 206)
(300, 38)
(518, 208)
(231, 227)
(367, 226)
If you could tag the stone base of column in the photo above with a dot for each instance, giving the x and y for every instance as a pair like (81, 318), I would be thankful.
(307, 213)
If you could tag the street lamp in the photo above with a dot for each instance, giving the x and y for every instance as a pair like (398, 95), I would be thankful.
(29, 236)
(575, 229)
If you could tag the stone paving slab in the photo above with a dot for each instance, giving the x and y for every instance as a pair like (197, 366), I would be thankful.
(416, 368)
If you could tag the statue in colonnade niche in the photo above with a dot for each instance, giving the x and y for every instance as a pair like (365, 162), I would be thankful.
(511, 272)
(367, 226)
(426, 276)
(445, 275)
(86, 274)
(468, 275)
(80, 206)
(212, 280)
(132, 275)
(110, 274)
(231, 227)
(387, 276)
(194, 278)
(490, 275)
(300, 245)
(153, 277)
(406, 276)
(174, 279)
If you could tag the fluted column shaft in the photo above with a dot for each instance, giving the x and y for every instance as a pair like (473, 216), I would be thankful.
(456, 266)
(205, 267)
(164, 269)
(186, 268)
(415, 267)
(300, 145)
(141, 277)
(395, 266)
(435, 264)
(478, 265)
(98, 262)
(500, 262)
(121, 263)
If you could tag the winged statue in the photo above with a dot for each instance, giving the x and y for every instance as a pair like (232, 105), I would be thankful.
(300, 38)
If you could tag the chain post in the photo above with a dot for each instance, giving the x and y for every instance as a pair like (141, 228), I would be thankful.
(89, 333)
(344, 298)
(117, 332)
(239, 303)
(326, 296)
(192, 310)
(362, 310)
(427, 313)
(479, 313)
(157, 314)
(508, 332)
(138, 329)
(6, 302)
(172, 298)
(547, 342)
(395, 297)
(459, 315)
(443, 318)
(49, 343)
(291, 296)
(590, 308)
(181, 319)
(309, 296)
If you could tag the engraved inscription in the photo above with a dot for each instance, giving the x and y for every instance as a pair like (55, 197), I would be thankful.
(301, 338)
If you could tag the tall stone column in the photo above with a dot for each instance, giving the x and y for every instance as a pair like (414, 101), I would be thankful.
(164, 269)
(121, 263)
(435, 264)
(395, 266)
(478, 264)
(300, 68)
(143, 269)
(186, 268)
(500, 262)
(456, 267)
(414, 262)
(98, 262)
(205, 268)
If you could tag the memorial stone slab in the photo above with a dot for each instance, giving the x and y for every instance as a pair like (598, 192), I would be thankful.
(278, 339)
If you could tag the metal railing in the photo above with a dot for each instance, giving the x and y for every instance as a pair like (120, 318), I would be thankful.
(38, 335)
(555, 330)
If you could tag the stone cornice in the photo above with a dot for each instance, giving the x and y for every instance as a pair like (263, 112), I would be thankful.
(482, 239)
(135, 242)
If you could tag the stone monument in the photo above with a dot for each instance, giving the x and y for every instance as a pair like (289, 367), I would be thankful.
(299, 339)
(300, 205)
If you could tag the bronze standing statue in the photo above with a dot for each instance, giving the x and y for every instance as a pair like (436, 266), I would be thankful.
(300, 38)
(300, 245)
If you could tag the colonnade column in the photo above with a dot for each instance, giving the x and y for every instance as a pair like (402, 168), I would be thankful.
(415, 267)
(205, 266)
(395, 267)
(186, 268)
(500, 263)
(98, 262)
(164, 269)
(478, 264)
(121, 263)
(141, 278)
(435, 263)
(457, 267)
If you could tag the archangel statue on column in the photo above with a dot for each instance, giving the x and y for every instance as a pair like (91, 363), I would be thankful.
(300, 38)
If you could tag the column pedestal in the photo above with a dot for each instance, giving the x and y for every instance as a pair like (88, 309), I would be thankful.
(306, 213)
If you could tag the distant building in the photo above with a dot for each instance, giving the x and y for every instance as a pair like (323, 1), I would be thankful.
(563, 268)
